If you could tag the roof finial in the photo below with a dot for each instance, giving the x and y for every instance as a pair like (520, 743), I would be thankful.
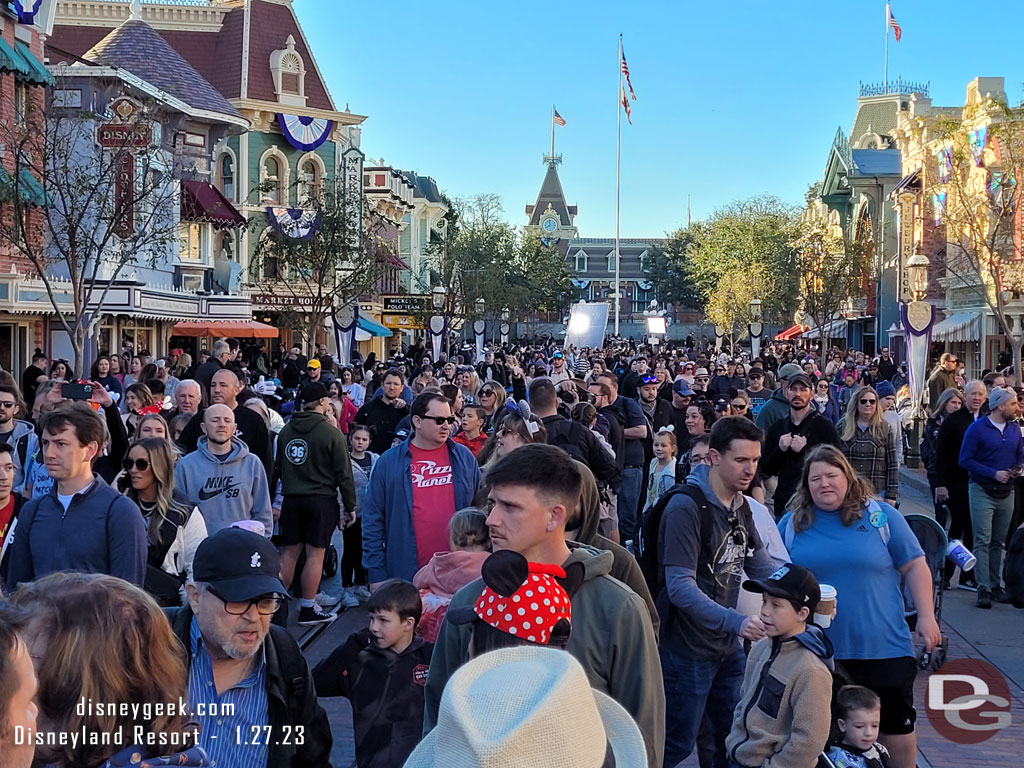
(136, 10)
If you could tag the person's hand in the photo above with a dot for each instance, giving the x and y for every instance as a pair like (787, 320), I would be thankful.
(100, 396)
(752, 629)
(785, 441)
(277, 513)
(1003, 476)
(347, 519)
(398, 403)
(941, 494)
(928, 632)
(798, 443)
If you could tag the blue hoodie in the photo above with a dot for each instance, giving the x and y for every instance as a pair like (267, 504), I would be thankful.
(101, 532)
(389, 543)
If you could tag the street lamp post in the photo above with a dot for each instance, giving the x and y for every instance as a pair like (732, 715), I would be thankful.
(918, 317)
(755, 328)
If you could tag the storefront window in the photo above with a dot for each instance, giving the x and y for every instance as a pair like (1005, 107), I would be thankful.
(191, 235)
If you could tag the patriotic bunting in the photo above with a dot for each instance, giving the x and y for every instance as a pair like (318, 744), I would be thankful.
(305, 133)
(293, 223)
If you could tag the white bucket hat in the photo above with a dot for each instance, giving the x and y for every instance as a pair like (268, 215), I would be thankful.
(531, 707)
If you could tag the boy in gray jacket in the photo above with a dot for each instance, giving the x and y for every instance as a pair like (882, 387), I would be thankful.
(222, 478)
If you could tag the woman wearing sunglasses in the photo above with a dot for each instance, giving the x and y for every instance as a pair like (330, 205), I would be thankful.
(491, 398)
(868, 441)
(174, 526)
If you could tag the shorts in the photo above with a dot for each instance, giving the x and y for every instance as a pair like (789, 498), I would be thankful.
(309, 520)
(893, 681)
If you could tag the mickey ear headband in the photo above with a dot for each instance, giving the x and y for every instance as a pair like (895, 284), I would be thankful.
(522, 410)
(669, 428)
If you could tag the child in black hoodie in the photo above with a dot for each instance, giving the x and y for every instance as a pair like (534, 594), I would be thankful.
(382, 671)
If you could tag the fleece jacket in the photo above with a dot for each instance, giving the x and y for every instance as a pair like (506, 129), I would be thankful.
(227, 490)
(312, 460)
(784, 716)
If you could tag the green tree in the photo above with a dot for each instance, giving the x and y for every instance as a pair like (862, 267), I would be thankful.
(832, 267)
(669, 269)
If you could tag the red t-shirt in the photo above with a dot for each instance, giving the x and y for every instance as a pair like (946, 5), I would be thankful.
(6, 512)
(474, 445)
(433, 501)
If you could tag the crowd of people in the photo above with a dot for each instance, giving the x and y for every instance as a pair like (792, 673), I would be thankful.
(678, 519)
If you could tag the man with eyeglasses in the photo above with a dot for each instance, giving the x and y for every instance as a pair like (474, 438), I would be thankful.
(942, 378)
(414, 490)
(236, 657)
(701, 377)
(18, 434)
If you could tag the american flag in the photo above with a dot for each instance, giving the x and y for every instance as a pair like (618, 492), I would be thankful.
(625, 102)
(559, 120)
(896, 30)
(625, 72)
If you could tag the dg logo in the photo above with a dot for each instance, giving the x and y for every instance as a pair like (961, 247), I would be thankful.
(968, 701)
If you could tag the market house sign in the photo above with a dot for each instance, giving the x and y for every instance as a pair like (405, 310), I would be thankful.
(122, 135)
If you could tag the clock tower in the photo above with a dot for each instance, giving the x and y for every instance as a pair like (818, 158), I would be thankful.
(551, 217)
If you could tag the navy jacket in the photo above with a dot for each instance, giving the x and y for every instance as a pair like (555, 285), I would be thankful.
(102, 532)
(389, 542)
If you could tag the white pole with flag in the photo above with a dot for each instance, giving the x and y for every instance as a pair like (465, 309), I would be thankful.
(618, 157)
(885, 69)
(552, 132)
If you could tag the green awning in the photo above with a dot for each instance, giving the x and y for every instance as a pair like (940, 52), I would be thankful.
(11, 62)
(28, 188)
(35, 71)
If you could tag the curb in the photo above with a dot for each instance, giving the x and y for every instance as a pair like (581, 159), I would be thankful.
(916, 479)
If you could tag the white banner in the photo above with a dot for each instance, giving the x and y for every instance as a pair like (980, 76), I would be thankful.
(587, 324)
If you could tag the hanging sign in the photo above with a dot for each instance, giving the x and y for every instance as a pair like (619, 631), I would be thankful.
(305, 133)
(27, 10)
(906, 203)
(124, 194)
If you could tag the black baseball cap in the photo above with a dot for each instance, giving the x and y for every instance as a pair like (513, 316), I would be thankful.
(721, 403)
(791, 582)
(312, 392)
(800, 378)
(240, 565)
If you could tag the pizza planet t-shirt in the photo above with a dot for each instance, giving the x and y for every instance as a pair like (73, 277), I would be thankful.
(433, 501)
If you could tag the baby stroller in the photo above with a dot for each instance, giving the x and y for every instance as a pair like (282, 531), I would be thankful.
(932, 538)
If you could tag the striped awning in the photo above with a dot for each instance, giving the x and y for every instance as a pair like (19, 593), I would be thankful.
(962, 326)
(833, 329)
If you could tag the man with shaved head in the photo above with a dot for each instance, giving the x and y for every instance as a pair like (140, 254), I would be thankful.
(222, 478)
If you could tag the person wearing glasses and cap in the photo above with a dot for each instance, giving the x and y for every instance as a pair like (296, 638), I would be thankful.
(414, 490)
(236, 656)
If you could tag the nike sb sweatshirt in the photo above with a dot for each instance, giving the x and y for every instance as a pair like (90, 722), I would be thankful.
(225, 488)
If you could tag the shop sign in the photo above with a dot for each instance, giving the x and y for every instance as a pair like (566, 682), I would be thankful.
(125, 130)
(406, 304)
(402, 322)
(283, 302)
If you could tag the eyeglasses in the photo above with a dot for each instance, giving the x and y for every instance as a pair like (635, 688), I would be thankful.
(868, 402)
(440, 420)
(140, 464)
(8, 404)
(704, 459)
(702, 378)
(266, 606)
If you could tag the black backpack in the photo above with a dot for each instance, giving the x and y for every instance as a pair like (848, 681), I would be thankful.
(568, 437)
(651, 548)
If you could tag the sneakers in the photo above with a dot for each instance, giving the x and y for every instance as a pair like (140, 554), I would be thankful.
(945, 585)
(984, 598)
(315, 615)
(999, 595)
(348, 598)
(362, 593)
(969, 584)
(325, 600)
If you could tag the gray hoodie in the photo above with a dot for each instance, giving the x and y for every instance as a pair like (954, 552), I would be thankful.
(23, 432)
(706, 626)
(225, 491)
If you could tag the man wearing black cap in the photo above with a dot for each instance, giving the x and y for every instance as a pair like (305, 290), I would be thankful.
(234, 656)
(313, 467)
(788, 441)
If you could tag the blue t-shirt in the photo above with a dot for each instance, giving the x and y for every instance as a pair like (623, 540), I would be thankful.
(854, 559)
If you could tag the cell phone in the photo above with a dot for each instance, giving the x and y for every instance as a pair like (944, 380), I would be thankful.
(74, 390)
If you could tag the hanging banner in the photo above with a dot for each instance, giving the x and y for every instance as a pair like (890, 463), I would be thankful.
(345, 320)
(977, 139)
(756, 331)
(305, 133)
(945, 164)
(479, 329)
(293, 223)
(504, 329)
(939, 207)
(918, 317)
(27, 10)
(436, 327)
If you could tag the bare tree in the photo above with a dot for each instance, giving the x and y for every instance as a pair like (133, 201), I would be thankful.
(94, 199)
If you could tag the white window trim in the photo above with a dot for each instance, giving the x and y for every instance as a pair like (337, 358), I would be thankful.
(276, 60)
(219, 175)
(581, 253)
(284, 169)
(611, 260)
(321, 172)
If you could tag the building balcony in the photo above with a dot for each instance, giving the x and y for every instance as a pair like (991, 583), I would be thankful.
(388, 193)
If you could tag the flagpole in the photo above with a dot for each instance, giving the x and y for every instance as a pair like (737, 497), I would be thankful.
(552, 133)
(885, 70)
(618, 158)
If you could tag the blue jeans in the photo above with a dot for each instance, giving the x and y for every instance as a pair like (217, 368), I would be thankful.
(629, 499)
(693, 686)
(990, 518)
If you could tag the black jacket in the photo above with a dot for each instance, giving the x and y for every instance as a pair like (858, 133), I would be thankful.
(386, 691)
(615, 437)
(787, 464)
(948, 471)
(205, 372)
(499, 372)
(583, 445)
(662, 418)
(291, 696)
(384, 419)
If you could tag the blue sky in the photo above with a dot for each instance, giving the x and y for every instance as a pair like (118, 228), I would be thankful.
(735, 98)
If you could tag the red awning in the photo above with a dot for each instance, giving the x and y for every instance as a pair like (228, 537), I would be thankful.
(242, 329)
(790, 333)
(201, 201)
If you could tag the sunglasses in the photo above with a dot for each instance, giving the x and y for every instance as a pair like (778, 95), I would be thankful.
(486, 393)
(703, 378)
(8, 404)
(140, 464)
(312, 369)
(440, 420)
(868, 402)
(649, 379)
(739, 406)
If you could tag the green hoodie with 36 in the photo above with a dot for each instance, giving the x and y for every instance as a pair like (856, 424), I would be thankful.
(312, 459)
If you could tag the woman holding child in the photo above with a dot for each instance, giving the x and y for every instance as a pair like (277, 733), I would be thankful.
(836, 528)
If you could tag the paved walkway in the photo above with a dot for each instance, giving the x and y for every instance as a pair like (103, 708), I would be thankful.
(995, 636)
